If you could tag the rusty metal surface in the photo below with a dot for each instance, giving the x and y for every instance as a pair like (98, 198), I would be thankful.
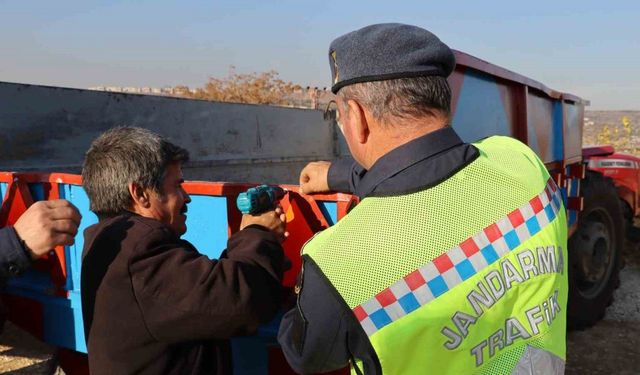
(541, 137)
(574, 120)
(488, 100)
(467, 60)
(50, 128)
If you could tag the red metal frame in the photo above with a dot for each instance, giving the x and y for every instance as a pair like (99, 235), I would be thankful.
(496, 71)
(304, 218)
(20, 197)
(299, 206)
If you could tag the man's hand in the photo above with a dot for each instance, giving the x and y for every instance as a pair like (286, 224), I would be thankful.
(314, 177)
(274, 220)
(47, 224)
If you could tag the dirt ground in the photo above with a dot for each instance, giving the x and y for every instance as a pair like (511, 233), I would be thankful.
(613, 345)
(21, 354)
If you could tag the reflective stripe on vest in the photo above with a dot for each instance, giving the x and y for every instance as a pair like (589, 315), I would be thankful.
(460, 263)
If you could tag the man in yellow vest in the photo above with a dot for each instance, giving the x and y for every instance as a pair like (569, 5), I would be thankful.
(454, 261)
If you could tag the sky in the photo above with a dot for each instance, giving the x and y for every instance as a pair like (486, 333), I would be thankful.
(588, 48)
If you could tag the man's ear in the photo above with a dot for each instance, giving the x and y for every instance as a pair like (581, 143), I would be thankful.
(359, 121)
(139, 195)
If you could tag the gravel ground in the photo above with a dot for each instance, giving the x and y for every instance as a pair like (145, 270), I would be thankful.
(613, 345)
(627, 298)
(21, 353)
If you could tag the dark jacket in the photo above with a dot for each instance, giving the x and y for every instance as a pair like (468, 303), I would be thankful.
(322, 333)
(14, 259)
(153, 305)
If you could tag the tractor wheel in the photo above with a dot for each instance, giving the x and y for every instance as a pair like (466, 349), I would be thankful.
(595, 252)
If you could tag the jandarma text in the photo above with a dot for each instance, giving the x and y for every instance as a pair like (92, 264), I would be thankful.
(492, 288)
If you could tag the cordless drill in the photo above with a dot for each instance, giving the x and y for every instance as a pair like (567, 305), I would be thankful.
(259, 199)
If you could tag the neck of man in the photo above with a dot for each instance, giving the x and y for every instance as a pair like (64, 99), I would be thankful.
(386, 137)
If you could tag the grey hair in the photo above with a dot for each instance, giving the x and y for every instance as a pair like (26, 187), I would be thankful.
(405, 98)
(123, 155)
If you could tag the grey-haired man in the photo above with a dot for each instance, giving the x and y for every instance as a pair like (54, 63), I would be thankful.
(151, 303)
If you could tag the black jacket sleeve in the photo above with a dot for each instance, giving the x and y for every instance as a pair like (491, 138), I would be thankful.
(184, 295)
(345, 175)
(321, 333)
(14, 258)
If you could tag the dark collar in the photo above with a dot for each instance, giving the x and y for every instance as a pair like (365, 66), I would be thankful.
(420, 163)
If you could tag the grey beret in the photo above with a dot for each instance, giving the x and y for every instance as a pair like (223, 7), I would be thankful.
(387, 51)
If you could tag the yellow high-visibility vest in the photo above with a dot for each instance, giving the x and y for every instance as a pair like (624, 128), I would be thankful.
(466, 277)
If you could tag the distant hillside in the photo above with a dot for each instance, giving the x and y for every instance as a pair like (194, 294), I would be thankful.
(608, 127)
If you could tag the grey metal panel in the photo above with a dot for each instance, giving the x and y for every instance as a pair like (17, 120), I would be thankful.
(540, 134)
(49, 128)
(573, 119)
